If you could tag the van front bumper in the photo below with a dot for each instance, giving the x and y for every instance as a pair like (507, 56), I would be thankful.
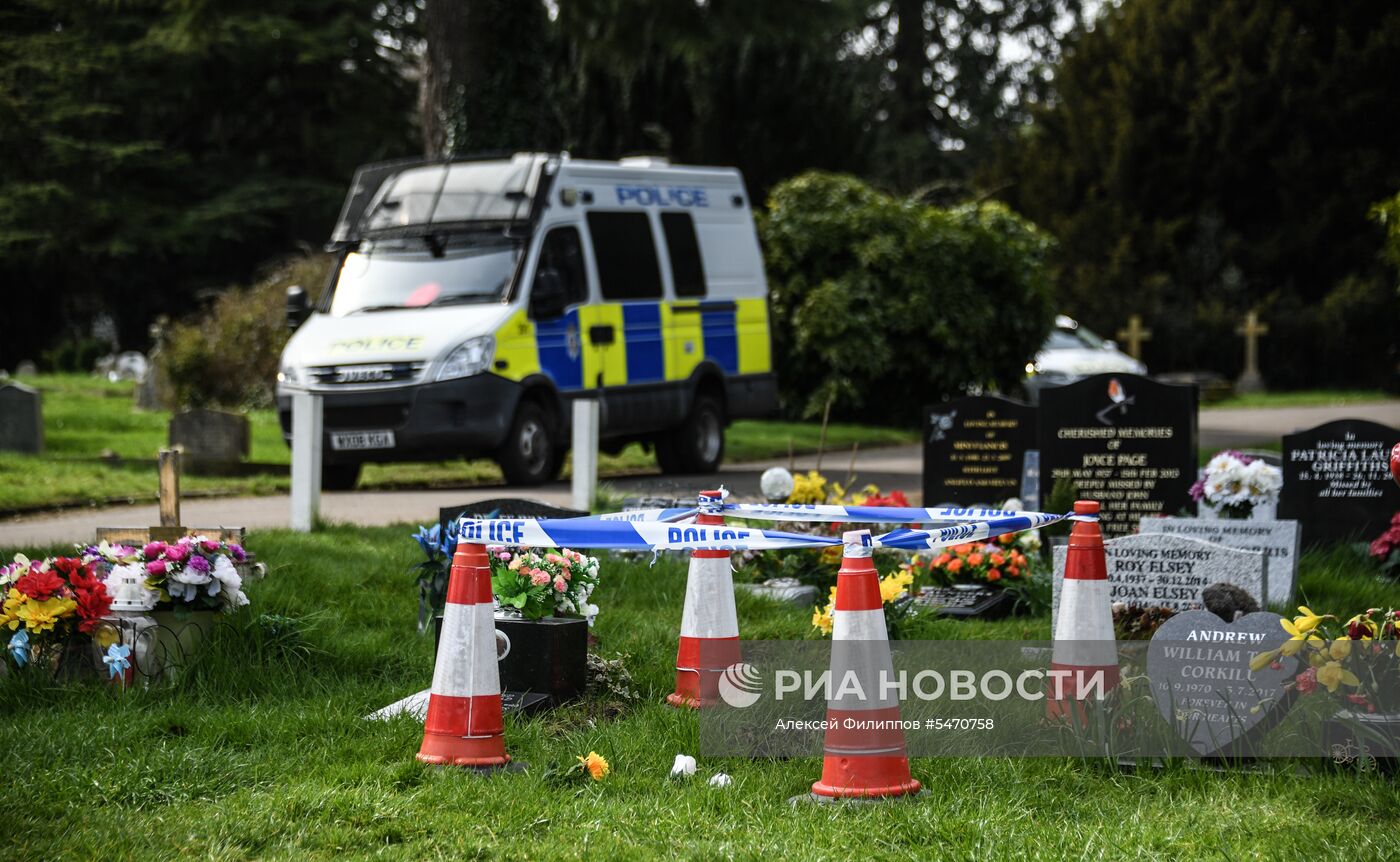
(465, 418)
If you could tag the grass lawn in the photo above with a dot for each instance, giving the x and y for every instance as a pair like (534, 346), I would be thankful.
(87, 418)
(1304, 398)
(266, 756)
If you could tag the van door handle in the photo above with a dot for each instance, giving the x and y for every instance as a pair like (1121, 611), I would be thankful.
(602, 334)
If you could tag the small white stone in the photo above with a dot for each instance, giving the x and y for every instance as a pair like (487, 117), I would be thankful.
(721, 780)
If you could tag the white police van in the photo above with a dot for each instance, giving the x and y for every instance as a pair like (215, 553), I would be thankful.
(471, 300)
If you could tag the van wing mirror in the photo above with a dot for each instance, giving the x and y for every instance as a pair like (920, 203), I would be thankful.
(547, 298)
(298, 307)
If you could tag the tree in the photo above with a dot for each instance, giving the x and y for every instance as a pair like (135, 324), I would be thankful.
(1205, 158)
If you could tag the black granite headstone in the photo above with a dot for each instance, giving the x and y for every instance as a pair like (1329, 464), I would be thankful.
(1336, 481)
(1123, 440)
(974, 449)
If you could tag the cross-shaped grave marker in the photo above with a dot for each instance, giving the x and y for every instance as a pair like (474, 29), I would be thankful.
(1250, 380)
(1133, 335)
(169, 530)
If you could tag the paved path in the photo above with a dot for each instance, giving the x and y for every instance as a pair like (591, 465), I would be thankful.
(892, 468)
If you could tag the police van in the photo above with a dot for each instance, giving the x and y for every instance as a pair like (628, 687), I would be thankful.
(472, 300)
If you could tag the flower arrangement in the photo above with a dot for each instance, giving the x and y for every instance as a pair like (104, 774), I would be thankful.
(993, 563)
(1350, 660)
(191, 573)
(47, 601)
(539, 583)
(1234, 483)
(896, 600)
(1386, 547)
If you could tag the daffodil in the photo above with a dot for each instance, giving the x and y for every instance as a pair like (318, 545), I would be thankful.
(9, 614)
(1307, 620)
(1340, 649)
(41, 616)
(1263, 660)
(1332, 675)
(1300, 634)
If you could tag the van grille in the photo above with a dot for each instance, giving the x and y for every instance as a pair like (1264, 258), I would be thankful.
(369, 373)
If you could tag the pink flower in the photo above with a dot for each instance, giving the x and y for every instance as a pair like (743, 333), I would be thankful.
(177, 553)
(553, 558)
(566, 575)
(209, 546)
(504, 556)
(539, 578)
(559, 585)
(156, 567)
(153, 550)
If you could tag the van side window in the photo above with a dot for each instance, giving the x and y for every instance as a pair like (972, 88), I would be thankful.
(562, 252)
(626, 255)
(687, 272)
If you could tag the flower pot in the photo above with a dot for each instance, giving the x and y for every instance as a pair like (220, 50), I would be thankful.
(179, 637)
(1363, 740)
(546, 656)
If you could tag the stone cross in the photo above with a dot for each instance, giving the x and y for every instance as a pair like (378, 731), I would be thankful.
(1134, 335)
(1251, 329)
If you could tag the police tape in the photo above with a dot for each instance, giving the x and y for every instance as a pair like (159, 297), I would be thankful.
(826, 514)
(655, 535)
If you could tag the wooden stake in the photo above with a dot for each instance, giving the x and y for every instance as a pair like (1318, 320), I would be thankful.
(851, 470)
(821, 443)
(168, 466)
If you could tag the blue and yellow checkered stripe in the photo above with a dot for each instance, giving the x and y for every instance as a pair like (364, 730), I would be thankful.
(653, 342)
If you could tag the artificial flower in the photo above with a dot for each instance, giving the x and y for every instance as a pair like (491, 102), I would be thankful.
(19, 647)
(1333, 675)
(595, 765)
(42, 616)
(39, 584)
(684, 767)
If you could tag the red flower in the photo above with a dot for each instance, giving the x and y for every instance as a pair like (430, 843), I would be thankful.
(1307, 681)
(39, 585)
(93, 605)
(1360, 700)
(84, 577)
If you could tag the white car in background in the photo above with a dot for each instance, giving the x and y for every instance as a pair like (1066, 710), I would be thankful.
(1071, 352)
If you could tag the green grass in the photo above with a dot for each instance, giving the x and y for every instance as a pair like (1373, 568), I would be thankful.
(1305, 398)
(268, 757)
(100, 449)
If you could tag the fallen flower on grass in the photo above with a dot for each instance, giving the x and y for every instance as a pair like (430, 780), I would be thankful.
(720, 779)
(595, 765)
(684, 767)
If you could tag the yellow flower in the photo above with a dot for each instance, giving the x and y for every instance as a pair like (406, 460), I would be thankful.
(1301, 633)
(9, 615)
(1263, 660)
(1306, 622)
(893, 586)
(595, 765)
(1341, 648)
(821, 619)
(1333, 674)
(41, 616)
(1364, 624)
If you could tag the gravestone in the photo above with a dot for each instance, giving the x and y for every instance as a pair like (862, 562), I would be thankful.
(1198, 668)
(1336, 482)
(1123, 440)
(1279, 541)
(210, 438)
(1161, 571)
(974, 449)
(21, 418)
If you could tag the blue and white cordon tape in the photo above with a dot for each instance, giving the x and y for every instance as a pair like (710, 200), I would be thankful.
(663, 530)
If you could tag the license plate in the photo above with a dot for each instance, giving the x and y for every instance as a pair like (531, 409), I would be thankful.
(342, 441)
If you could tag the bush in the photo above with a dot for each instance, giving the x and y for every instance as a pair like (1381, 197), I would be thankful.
(227, 356)
(888, 304)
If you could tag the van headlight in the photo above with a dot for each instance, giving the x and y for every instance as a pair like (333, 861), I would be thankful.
(471, 357)
(290, 375)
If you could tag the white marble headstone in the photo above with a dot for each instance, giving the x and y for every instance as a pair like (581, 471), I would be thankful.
(1277, 540)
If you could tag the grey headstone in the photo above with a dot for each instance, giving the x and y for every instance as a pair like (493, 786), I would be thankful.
(26, 368)
(21, 418)
(1198, 667)
(1161, 571)
(1280, 541)
(210, 436)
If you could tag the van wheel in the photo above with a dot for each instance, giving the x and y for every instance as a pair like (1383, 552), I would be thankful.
(339, 477)
(697, 445)
(531, 452)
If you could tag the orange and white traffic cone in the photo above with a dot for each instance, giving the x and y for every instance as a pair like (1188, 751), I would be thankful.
(864, 752)
(1085, 657)
(709, 622)
(464, 726)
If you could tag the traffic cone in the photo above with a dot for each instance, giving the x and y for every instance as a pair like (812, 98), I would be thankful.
(709, 621)
(463, 726)
(864, 753)
(1084, 641)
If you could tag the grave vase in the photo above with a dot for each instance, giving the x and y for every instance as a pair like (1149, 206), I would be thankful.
(179, 636)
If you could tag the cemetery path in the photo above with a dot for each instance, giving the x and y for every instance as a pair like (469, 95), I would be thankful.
(1244, 427)
(890, 468)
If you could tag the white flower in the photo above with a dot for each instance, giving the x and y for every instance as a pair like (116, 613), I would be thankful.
(684, 767)
(225, 574)
(1029, 541)
(721, 780)
(1262, 481)
(1013, 504)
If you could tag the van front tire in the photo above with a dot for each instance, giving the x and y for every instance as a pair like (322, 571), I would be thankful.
(696, 445)
(531, 454)
(339, 477)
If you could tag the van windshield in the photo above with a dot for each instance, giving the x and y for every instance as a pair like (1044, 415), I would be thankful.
(408, 274)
